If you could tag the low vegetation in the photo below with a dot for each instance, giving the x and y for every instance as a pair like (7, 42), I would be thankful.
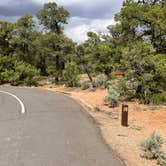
(152, 149)
(112, 98)
(85, 85)
(17, 72)
(101, 81)
(71, 74)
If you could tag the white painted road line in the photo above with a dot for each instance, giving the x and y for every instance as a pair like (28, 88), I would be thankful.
(20, 102)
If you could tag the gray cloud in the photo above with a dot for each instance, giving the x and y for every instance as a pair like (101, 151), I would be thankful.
(107, 9)
(86, 15)
(19, 7)
(100, 9)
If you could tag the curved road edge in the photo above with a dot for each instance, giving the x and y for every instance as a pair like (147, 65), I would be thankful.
(17, 98)
(86, 108)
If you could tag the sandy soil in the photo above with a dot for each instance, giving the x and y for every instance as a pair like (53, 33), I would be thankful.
(125, 141)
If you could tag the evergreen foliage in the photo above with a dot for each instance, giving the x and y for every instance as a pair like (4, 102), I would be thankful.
(71, 74)
(16, 72)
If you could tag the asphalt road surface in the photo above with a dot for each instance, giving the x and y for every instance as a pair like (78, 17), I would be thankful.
(53, 130)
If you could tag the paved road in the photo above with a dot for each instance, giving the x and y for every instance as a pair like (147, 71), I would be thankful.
(54, 131)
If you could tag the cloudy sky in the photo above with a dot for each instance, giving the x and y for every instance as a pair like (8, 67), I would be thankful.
(86, 15)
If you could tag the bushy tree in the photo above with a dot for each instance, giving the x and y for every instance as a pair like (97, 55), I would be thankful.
(6, 29)
(22, 37)
(16, 72)
(144, 21)
(146, 69)
(53, 17)
(52, 52)
(137, 42)
(48, 51)
(71, 74)
(82, 60)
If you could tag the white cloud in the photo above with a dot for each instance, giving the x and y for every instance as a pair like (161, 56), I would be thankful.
(78, 27)
(86, 3)
(86, 15)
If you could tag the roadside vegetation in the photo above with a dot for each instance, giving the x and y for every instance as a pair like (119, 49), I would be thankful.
(152, 149)
(134, 46)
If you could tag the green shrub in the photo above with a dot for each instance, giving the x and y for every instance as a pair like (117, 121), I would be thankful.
(152, 149)
(101, 81)
(26, 73)
(121, 86)
(30, 82)
(71, 74)
(108, 83)
(162, 159)
(159, 98)
(9, 75)
(144, 99)
(112, 98)
(150, 79)
(152, 146)
(17, 72)
(50, 69)
(112, 76)
(85, 85)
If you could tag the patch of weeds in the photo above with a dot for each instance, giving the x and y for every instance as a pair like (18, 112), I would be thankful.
(154, 107)
(85, 85)
(98, 109)
(162, 159)
(100, 81)
(152, 149)
(112, 98)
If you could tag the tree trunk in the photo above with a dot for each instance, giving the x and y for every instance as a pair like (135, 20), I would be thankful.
(88, 73)
(85, 68)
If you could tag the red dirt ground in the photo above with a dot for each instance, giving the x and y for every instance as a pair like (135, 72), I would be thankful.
(125, 141)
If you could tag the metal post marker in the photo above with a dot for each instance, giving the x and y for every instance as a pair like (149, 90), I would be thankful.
(124, 119)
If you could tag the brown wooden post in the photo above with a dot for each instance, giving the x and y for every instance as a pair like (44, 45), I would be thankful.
(124, 119)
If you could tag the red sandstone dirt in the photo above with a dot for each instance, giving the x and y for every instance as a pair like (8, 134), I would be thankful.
(125, 141)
